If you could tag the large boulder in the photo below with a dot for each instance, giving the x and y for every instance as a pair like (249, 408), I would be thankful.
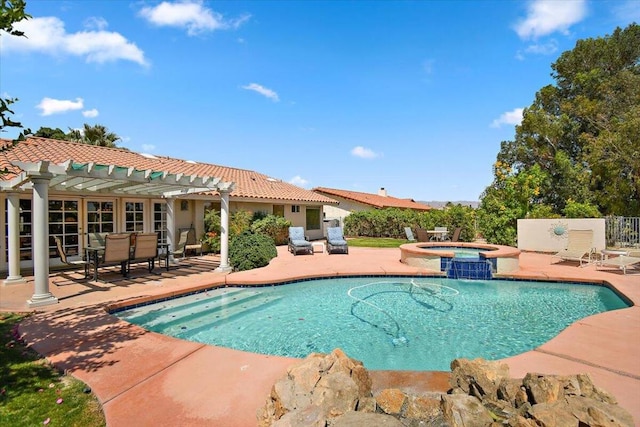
(332, 390)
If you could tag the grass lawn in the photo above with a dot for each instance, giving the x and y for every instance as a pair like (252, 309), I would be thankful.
(33, 393)
(376, 242)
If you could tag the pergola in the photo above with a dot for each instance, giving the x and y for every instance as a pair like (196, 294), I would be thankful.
(93, 178)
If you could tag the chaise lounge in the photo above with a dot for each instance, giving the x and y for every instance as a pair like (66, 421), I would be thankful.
(336, 241)
(298, 243)
(579, 246)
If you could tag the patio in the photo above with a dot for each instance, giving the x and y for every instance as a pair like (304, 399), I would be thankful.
(154, 379)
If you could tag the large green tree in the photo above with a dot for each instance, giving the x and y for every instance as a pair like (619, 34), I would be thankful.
(583, 132)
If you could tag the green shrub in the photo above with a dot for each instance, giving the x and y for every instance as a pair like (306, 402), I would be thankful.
(212, 230)
(580, 210)
(249, 250)
(273, 226)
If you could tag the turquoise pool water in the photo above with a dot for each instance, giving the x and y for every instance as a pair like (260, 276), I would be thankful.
(388, 323)
(459, 252)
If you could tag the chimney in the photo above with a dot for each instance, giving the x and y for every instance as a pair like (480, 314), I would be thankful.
(382, 192)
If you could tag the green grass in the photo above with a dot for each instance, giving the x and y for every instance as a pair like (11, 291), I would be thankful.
(32, 393)
(376, 242)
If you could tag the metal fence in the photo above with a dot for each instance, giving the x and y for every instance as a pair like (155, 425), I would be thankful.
(622, 231)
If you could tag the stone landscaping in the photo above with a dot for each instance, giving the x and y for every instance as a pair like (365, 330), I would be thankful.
(333, 390)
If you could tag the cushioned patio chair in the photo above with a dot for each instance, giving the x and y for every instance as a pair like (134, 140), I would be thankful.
(409, 233)
(298, 242)
(75, 263)
(336, 241)
(579, 246)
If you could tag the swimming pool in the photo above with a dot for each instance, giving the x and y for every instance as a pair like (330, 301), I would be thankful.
(386, 322)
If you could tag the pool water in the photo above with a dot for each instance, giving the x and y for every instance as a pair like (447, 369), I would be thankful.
(459, 252)
(387, 323)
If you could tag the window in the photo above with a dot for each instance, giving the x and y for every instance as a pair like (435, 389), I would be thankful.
(278, 210)
(295, 208)
(313, 218)
(160, 221)
(134, 217)
(63, 222)
(24, 221)
(100, 217)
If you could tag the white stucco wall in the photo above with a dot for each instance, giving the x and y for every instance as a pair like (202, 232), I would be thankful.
(550, 235)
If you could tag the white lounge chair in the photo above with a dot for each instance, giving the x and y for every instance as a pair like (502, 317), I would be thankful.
(409, 233)
(622, 261)
(579, 246)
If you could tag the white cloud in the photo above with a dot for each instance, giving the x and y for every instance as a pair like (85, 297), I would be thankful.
(548, 16)
(299, 181)
(262, 91)
(49, 106)
(189, 14)
(96, 23)
(90, 113)
(511, 118)
(364, 153)
(147, 148)
(48, 35)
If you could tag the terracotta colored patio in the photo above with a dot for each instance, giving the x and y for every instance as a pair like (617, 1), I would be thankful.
(144, 378)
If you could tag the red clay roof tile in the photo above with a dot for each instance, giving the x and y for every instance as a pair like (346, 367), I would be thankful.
(373, 200)
(248, 184)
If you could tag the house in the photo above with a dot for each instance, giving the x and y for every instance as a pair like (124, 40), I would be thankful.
(354, 201)
(68, 189)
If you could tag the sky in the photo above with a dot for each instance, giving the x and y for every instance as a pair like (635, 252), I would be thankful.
(411, 96)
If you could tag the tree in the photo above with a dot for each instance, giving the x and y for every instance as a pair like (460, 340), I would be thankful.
(95, 135)
(583, 133)
(45, 132)
(11, 11)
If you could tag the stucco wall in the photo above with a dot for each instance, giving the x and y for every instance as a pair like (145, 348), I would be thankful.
(550, 235)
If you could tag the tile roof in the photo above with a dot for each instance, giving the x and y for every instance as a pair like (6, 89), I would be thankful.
(374, 200)
(248, 184)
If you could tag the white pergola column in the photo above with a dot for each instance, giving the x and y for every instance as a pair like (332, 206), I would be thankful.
(13, 223)
(224, 231)
(171, 226)
(40, 243)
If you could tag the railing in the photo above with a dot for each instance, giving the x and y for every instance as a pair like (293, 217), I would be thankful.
(623, 232)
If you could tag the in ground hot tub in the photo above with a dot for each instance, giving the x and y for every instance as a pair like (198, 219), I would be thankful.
(472, 260)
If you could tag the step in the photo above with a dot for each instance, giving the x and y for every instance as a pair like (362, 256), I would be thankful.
(232, 313)
(160, 318)
(141, 314)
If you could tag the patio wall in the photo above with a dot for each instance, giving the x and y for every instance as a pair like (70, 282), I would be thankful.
(550, 235)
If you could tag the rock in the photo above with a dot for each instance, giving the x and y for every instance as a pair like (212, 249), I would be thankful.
(461, 410)
(335, 391)
(360, 419)
(542, 388)
(391, 401)
(478, 377)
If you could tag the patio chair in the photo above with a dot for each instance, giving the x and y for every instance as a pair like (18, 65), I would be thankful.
(444, 233)
(117, 250)
(621, 261)
(180, 249)
(456, 234)
(75, 263)
(579, 246)
(409, 233)
(192, 243)
(146, 249)
(298, 242)
(336, 241)
(422, 235)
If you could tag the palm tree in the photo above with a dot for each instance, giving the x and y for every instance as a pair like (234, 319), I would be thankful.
(99, 135)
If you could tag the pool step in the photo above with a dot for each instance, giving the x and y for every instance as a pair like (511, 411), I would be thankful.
(206, 324)
(160, 320)
(150, 311)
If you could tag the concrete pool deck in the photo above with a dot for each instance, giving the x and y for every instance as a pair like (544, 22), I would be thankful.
(144, 378)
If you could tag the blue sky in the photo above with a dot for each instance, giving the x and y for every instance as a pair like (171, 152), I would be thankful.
(412, 96)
